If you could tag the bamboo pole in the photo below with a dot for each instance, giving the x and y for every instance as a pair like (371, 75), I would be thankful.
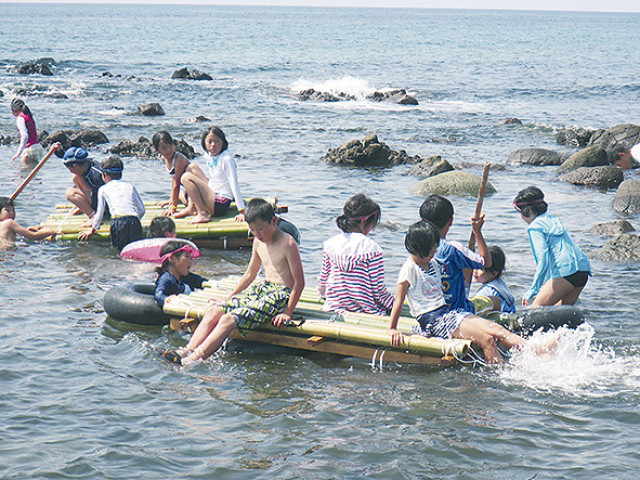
(33, 173)
(478, 212)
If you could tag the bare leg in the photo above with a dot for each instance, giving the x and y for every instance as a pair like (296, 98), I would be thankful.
(207, 324)
(200, 195)
(485, 334)
(557, 291)
(214, 340)
(80, 199)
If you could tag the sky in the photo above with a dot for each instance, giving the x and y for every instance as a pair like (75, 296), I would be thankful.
(563, 5)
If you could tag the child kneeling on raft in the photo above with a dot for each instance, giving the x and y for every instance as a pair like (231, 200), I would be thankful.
(272, 299)
(124, 203)
(421, 284)
(174, 275)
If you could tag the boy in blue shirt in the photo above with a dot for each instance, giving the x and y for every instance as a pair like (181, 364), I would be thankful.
(453, 257)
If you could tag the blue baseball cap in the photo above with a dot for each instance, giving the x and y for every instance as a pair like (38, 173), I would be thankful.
(75, 155)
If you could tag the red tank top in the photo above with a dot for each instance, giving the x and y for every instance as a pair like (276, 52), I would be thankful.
(32, 134)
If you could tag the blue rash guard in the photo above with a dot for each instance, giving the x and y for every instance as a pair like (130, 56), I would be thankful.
(453, 258)
(497, 288)
(554, 251)
(168, 285)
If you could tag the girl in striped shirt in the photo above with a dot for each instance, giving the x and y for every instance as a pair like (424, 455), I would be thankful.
(352, 276)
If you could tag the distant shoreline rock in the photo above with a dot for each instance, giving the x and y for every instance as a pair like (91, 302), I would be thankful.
(151, 110)
(539, 157)
(194, 74)
(399, 96)
(143, 148)
(41, 66)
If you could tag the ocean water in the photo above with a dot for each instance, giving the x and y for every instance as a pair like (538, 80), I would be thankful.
(84, 397)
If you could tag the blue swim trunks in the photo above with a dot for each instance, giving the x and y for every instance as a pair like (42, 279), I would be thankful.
(440, 322)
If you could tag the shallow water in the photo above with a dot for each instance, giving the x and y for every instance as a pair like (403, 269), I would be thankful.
(85, 397)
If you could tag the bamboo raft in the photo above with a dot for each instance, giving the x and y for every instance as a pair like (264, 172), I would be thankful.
(350, 334)
(220, 232)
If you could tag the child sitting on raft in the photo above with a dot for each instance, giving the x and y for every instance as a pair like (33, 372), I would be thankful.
(562, 268)
(174, 275)
(421, 284)
(87, 179)
(213, 198)
(124, 203)
(177, 164)
(9, 228)
(272, 299)
(493, 286)
(352, 276)
(453, 257)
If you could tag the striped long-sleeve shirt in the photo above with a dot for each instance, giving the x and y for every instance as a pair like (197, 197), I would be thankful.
(352, 276)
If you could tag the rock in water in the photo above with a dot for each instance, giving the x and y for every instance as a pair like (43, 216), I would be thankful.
(151, 109)
(368, 153)
(431, 166)
(625, 247)
(627, 199)
(611, 229)
(193, 74)
(603, 177)
(588, 157)
(534, 156)
(452, 183)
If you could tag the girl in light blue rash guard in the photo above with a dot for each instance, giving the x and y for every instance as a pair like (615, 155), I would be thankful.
(562, 269)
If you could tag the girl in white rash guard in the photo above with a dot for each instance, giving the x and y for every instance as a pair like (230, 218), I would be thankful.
(214, 197)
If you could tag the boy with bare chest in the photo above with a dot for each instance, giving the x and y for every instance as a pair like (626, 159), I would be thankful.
(249, 306)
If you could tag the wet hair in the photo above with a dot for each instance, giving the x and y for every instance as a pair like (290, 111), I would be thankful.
(613, 155)
(18, 105)
(437, 210)
(113, 167)
(421, 238)
(5, 202)
(170, 246)
(162, 136)
(498, 260)
(218, 133)
(160, 226)
(259, 209)
(530, 202)
(355, 210)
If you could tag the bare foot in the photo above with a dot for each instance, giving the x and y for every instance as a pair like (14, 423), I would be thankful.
(185, 212)
(204, 218)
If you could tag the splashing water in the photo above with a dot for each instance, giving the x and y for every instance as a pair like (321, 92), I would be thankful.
(573, 365)
(353, 86)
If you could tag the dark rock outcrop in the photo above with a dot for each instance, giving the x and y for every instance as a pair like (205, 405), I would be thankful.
(41, 66)
(534, 156)
(627, 199)
(368, 153)
(603, 177)
(431, 166)
(510, 121)
(317, 96)
(456, 182)
(587, 157)
(197, 119)
(84, 137)
(194, 74)
(399, 96)
(624, 247)
(574, 136)
(611, 229)
(625, 134)
(151, 109)
(143, 148)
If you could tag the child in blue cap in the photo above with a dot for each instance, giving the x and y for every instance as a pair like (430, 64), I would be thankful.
(87, 178)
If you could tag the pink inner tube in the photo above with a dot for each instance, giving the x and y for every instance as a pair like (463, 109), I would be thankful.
(148, 249)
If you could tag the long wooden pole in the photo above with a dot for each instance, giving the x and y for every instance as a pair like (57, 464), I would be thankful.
(33, 173)
(483, 186)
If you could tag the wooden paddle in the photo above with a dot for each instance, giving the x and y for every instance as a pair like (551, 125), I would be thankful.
(483, 186)
(468, 273)
(33, 173)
